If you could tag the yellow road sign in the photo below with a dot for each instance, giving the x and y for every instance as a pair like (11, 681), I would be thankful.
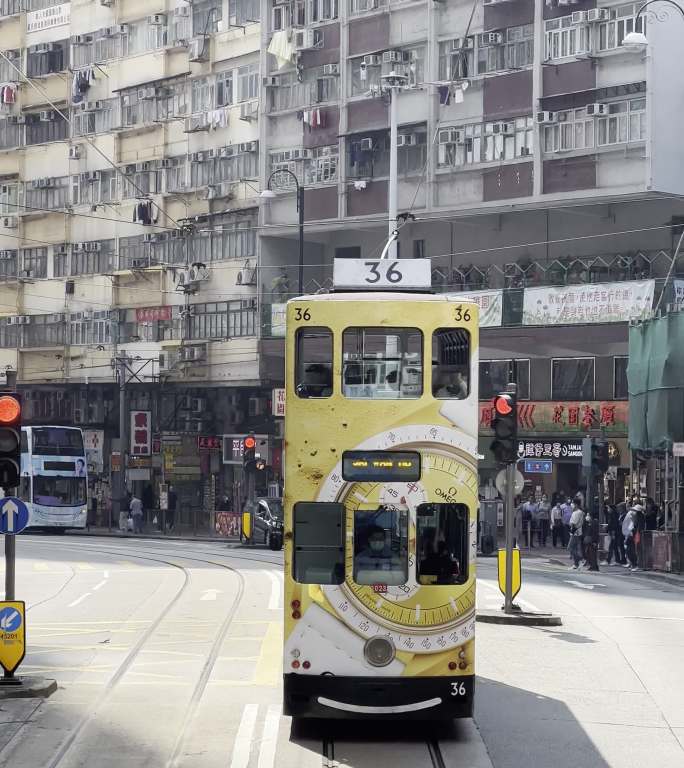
(247, 524)
(12, 634)
(517, 577)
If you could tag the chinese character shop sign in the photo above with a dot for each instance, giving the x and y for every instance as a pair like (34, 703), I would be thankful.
(278, 402)
(141, 433)
(568, 417)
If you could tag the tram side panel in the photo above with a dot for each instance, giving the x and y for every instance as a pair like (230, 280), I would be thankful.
(380, 543)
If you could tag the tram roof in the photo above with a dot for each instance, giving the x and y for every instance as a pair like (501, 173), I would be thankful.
(383, 296)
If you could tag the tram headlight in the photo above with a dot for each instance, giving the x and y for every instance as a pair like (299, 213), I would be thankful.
(379, 651)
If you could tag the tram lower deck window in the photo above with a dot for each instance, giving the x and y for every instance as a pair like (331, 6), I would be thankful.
(450, 364)
(442, 532)
(381, 546)
(314, 362)
(318, 543)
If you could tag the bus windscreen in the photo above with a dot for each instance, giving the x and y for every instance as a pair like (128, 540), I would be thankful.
(57, 441)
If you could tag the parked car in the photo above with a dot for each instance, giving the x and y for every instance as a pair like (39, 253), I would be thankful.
(268, 523)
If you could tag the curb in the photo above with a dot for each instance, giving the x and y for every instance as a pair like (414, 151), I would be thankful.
(666, 578)
(521, 619)
(154, 537)
(30, 688)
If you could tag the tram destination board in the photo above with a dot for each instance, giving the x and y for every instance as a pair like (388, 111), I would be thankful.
(381, 466)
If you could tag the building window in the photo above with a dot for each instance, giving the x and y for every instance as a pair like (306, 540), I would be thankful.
(244, 12)
(9, 199)
(47, 194)
(206, 16)
(620, 388)
(106, 46)
(494, 377)
(362, 6)
(248, 82)
(44, 331)
(93, 118)
(442, 543)
(514, 52)
(365, 74)
(11, 7)
(142, 37)
(8, 266)
(610, 34)
(92, 258)
(201, 95)
(485, 142)
(224, 88)
(47, 58)
(457, 59)
(626, 121)
(314, 362)
(8, 73)
(563, 38)
(10, 134)
(45, 127)
(94, 187)
(140, 179)
(34, 262)
(572, 378)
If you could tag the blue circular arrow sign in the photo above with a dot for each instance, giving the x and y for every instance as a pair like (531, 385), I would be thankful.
(14, 515)
(10, 620)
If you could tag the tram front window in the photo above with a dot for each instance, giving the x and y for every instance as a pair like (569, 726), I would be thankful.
(442, 543)
(314, 363)
(450, 364)
(382, 363)
(381, 546)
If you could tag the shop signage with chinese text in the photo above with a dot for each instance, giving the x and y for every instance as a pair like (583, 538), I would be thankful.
(150, 314)
(610, 416)
(141, 433)
(588, 303)
(209, 443)
(490, 304)
(558, 450)
(278, 402)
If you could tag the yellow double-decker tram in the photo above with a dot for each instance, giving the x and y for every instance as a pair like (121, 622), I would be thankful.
(380, 506)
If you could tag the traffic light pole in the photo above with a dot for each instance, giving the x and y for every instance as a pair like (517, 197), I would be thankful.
(510, 504)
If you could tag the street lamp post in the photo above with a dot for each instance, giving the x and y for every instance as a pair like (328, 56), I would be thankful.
(392, 84)
(269, 194)
(636, 41)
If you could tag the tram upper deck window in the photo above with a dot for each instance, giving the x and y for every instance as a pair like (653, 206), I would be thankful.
(382, 363)
(442, 543)
(381, 546)
(314, 362)
(450, 363)
(318, 542)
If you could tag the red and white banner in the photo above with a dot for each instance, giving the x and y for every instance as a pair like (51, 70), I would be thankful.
(150, 314)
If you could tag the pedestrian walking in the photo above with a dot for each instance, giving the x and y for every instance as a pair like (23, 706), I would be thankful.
(123, 518)
(137, 514)
(529, 513)
(576, 524)
(543, 518)
(171, 511)
(590, 540)
(615, 550)
(566, 510)
(557, 524)
(629, 531)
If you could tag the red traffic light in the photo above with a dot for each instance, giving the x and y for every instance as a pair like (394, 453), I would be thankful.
(249, 443)
(10, 409)
(503, 405)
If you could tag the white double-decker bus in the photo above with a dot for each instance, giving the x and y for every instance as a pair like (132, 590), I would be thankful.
(54, 477)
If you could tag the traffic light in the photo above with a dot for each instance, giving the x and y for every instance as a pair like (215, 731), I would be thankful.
(599, 456)
(505, 426)
(10, 440)
(248, 451)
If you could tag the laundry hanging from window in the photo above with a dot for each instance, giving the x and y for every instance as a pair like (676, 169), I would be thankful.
(81, 83)
(8, 94)
(144, 213)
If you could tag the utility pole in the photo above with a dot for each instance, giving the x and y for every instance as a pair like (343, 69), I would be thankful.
(509, 513)
(392, 84)
(119, 477)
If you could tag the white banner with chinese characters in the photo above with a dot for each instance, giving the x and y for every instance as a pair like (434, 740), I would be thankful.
(141, 433)
(48, 18)
(591, 303)
(489, 302)
(278, 402)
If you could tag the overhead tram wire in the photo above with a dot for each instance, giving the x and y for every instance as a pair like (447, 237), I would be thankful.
(91, 143)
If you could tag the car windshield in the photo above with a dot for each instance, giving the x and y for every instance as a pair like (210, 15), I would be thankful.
(275, 506)
(59, 491)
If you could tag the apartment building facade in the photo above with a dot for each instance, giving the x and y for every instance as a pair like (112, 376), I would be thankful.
(136, 135)
(537, 167)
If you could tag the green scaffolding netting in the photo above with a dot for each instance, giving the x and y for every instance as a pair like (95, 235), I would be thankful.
(655, 375)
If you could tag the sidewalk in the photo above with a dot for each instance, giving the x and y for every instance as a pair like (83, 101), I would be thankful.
(159, 535)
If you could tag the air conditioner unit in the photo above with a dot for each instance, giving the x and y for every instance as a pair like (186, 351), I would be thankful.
(544, 118)
(156, 19)
(16, 119)
(148, 93)
(300, 154)
(389, 57)
(461, 43)
(304, 39)
(595, 110)
(46, 48)
(182, 11)
(93, 246)
(197, 157)
(110, 32)
(199, 49)
(91, 106)
(47, 116)
(198, 273)
(248, 146)
(106, 3)
(92, 176)
(10, 222)
(598, 14)
(60, 250)
(272, 81)
(142, 167)
(139, 263)
(451, 136)
(81, 39)
(122, 29)
(493, 38)
(331, 69)
(525, 151)
(249, 110)
(210, 193)
(366, 145)
(150, 237)
(372, 60)
(406, 140)
(226, 151)
(246, 276)
(196, 123)
(74, 153)
(579, 17)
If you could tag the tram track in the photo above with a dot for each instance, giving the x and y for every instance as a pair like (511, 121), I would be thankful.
(65, 748)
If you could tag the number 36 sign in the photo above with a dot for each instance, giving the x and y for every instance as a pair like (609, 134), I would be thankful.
(385, 274)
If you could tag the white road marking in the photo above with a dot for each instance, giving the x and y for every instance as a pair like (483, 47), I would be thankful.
(100, 585)
(210, 594)
(360, 497)
(269, 737)
(274, 601)
(79, 600)
(582, 585)
(245, 734)
(527, 605)
(106, 574)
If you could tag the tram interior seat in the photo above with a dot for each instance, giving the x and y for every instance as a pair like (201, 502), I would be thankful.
(317, 381)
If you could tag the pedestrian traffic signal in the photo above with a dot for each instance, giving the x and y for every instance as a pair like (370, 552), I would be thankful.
(10, 440)
(599, 456)
(505, 426)
(248, 451)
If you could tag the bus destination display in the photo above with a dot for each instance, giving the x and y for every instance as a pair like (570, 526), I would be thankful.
(381, 466)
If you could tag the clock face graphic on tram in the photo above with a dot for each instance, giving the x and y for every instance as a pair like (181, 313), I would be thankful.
(419, 616)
